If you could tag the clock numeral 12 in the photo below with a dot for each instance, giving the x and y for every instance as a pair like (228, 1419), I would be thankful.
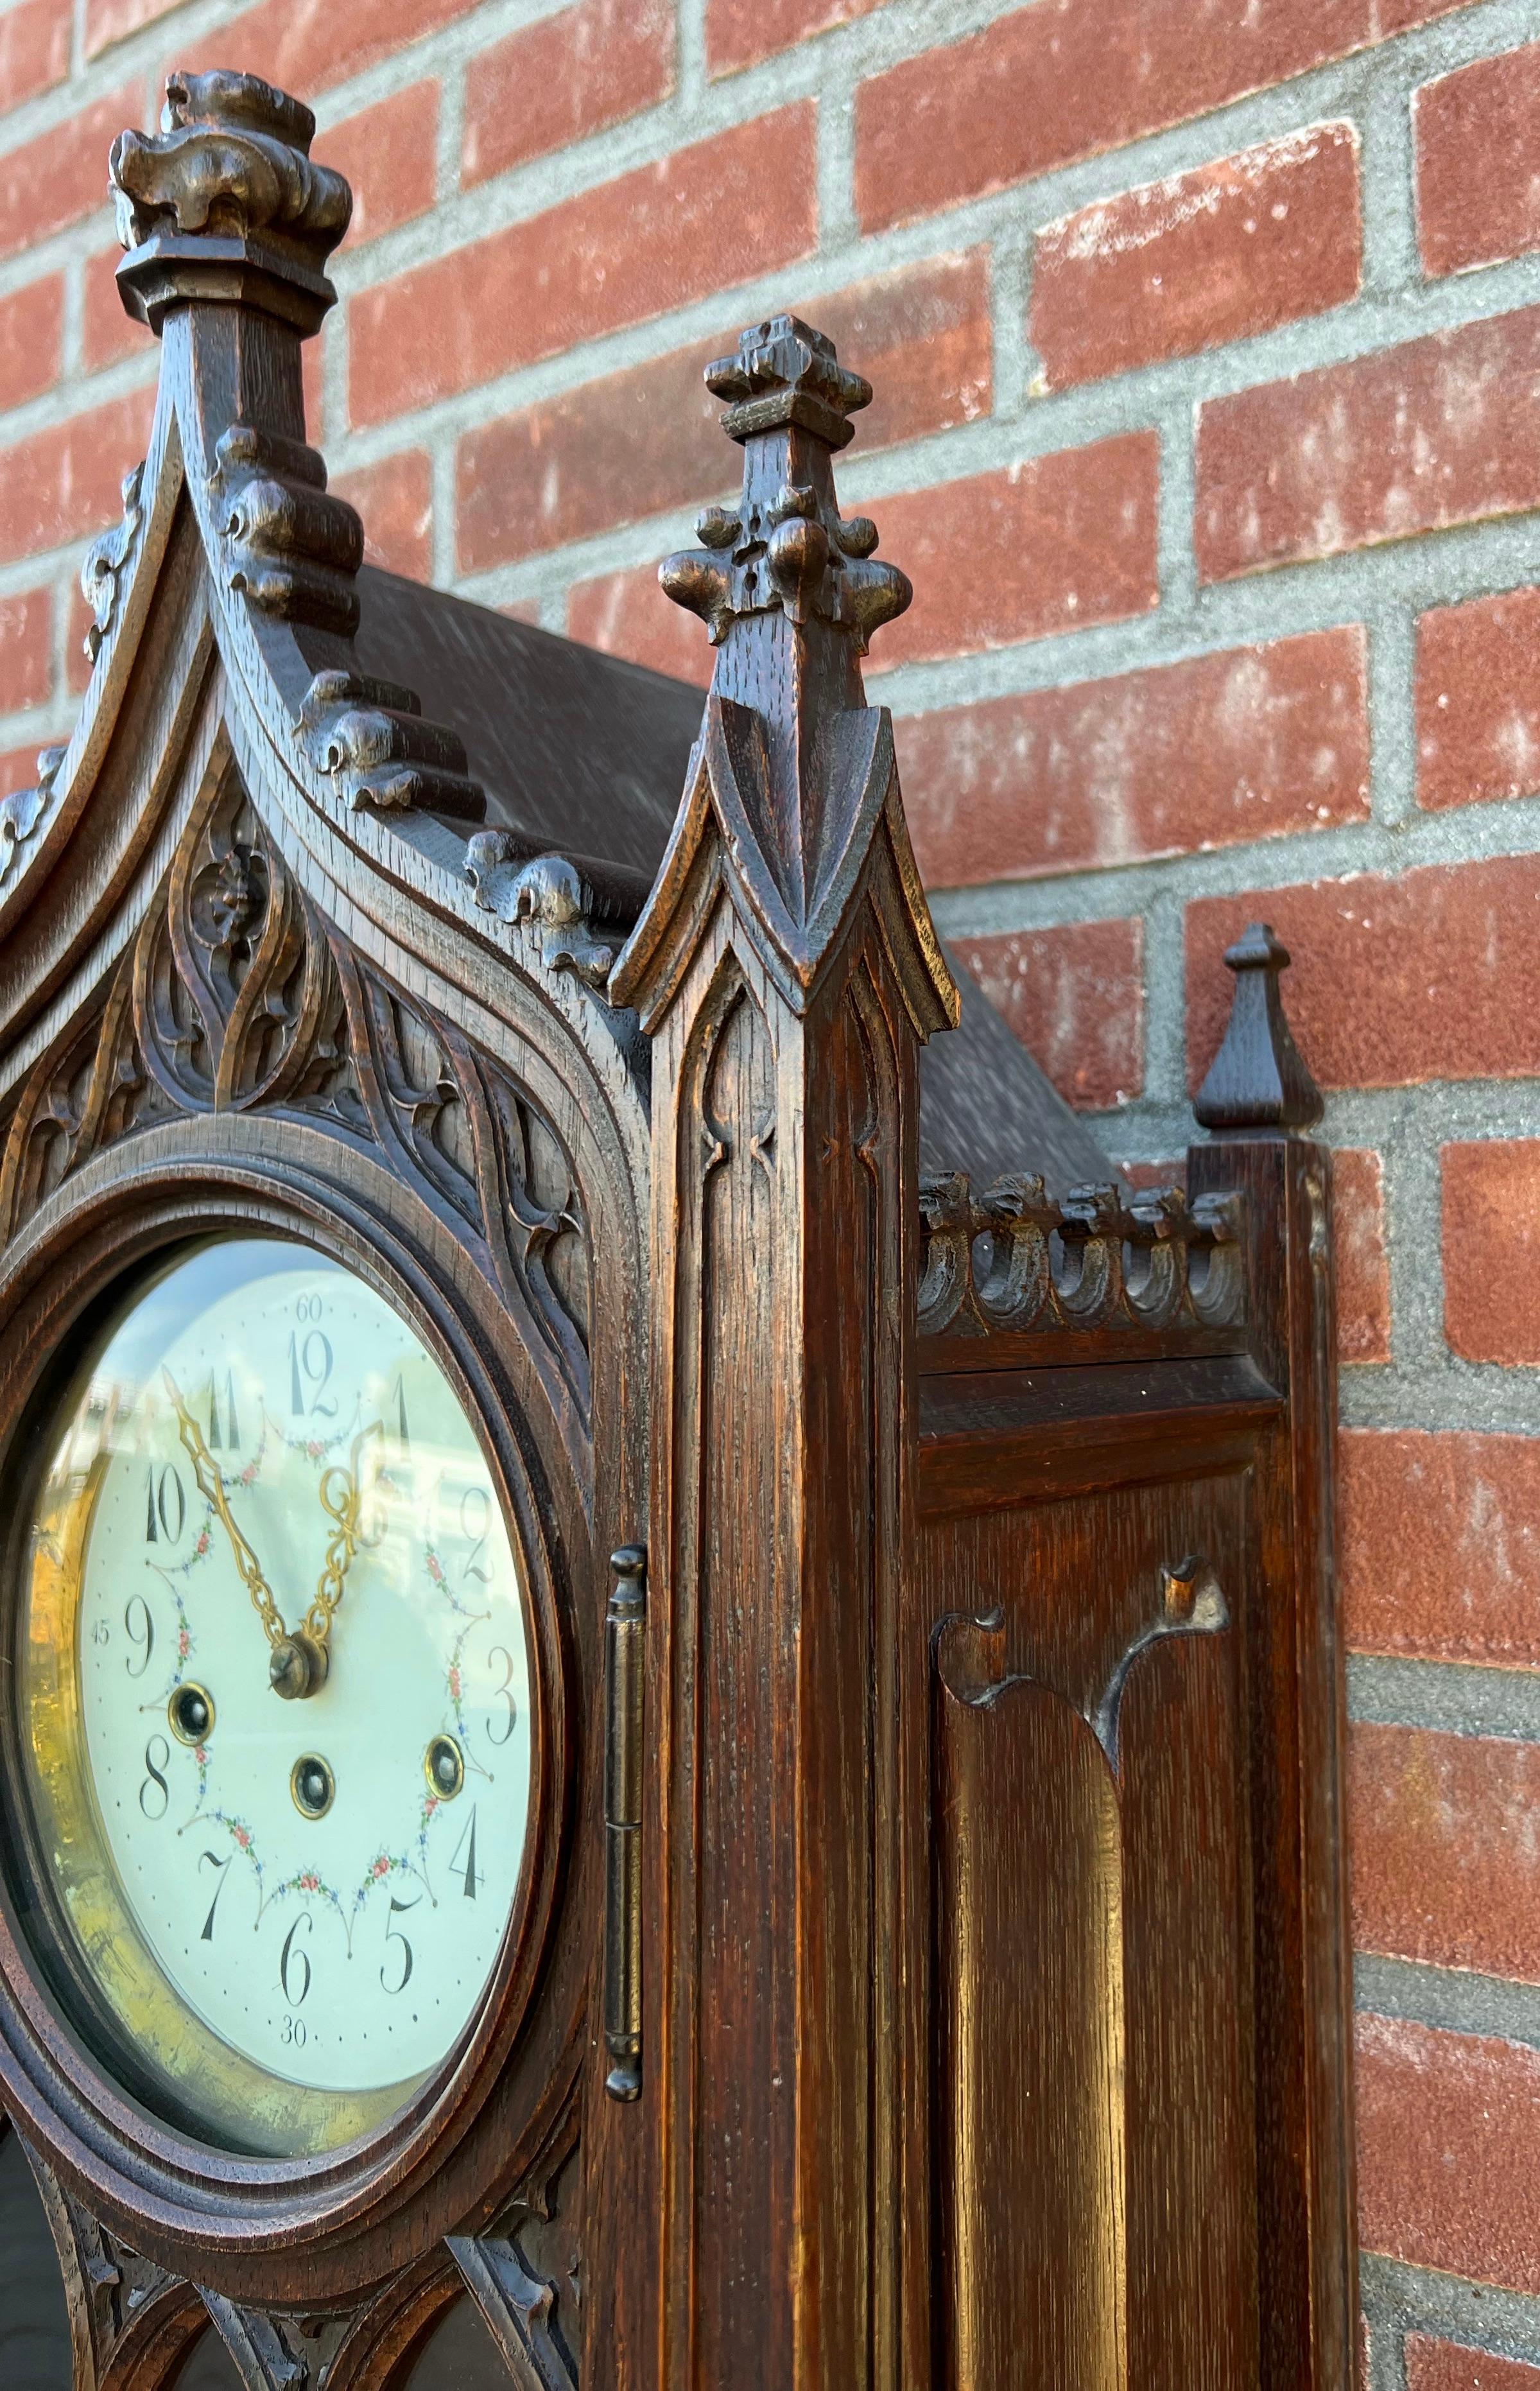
(310, 1361)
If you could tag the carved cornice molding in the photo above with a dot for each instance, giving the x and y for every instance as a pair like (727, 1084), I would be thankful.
(1017, 1259)
(224, 202)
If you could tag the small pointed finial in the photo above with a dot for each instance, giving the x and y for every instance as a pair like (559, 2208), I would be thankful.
(786, 548)
(1259, 1080)
(224, 203)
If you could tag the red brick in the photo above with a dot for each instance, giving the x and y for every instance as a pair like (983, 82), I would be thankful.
(107, 331)
(740, 32)
(307, 45)
(1439, 1540)
(34, 50)
(31, 330)
(651, 438)
(1445, 1859)
(62, 175)
(66, 482)
(396, 499)
(1478, 162)
(1478, 705)
(1064, 79)
(389, 155)
(1363, 1265)
(1431, 977)
(112, 20)
(1074, 997)
(1444, 430)
(312, 372)
(18, 770)
(708, 217)
(1202, 258)
(26, 640)
(1048, 545)
(1449, 2150)
(567, 76)
(1444, 2366)
(1252, 743)
(626, 615)
(1492, 1249)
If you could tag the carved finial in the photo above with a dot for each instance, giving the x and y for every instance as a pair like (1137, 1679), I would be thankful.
(786, 548)
(1259, 1080)
(224, 203)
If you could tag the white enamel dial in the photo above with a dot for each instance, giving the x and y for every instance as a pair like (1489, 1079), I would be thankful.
(325, 1881)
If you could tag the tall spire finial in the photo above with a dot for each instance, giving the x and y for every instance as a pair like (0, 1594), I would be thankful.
(1259, 1080)
(224, 203)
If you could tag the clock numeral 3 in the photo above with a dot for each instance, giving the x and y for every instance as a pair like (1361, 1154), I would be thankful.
(394, 1934)
(505, 1694)
(292, 1961)
(152, 1802)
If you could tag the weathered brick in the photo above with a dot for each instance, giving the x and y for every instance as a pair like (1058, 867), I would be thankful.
(1048, 545)
(112, 20)
(107, 331)
(1443, 430)
(1478, 162)
(313, 379)
(1445, 1860)
(307, 45)
(1478, 701)
(626, 615)
(1358, 1250)
(1444, 2366)
(1492, 1249)
(1449, 2150)
(1439, 1539)
(1064, 79)
(1252, 743)
(1205, 257)
(62, 175)
(651, 438)
(26, 641)
(708, 217)
(67, 480)
(1074, 997)
(740, 32)
(34, 50)
(1394, 981)
(389, 154)
(396, 499)
(18, 770)
(31, 332)
(562, 78)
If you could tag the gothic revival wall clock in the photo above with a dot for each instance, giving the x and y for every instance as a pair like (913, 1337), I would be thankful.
(650, 1738)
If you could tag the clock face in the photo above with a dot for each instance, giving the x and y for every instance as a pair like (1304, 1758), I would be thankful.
(277, 1698)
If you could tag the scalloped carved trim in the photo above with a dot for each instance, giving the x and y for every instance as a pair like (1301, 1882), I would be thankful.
(1014, 1259)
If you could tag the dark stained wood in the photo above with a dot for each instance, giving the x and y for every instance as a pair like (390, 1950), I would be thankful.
(970, 2006)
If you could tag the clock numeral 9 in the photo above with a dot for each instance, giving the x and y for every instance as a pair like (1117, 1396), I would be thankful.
(165, 1505)
(141, 1635)
(310, 1363)
(292, 1961)
(155, 1793)
(394, 1934)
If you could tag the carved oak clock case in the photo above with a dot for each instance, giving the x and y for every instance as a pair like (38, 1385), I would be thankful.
(628, 1708)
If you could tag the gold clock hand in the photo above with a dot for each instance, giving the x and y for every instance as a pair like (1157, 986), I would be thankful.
(210, 1485)
(344, 1543)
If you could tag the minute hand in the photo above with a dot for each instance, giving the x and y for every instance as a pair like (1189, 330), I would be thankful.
(210, 1485)
(344, 1543)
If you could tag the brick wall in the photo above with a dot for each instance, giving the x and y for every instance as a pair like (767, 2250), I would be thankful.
(1207, 338)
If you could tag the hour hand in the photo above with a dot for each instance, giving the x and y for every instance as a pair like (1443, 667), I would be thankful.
(210, 1485)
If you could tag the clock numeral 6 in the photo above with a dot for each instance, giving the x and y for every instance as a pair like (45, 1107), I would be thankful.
(394, 1934)
(292, 1961)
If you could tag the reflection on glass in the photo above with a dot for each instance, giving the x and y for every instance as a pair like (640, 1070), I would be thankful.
(34, 2328)
(277, 1678)
(461, 2356)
